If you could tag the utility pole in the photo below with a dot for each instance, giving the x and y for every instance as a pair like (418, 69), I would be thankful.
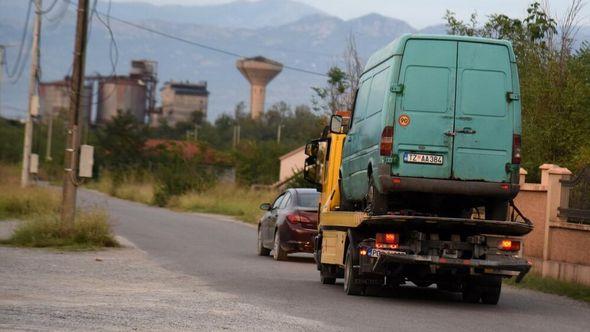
(49, 136)
(279, 129)
(33, 96)
(68, 209)
(1, 72)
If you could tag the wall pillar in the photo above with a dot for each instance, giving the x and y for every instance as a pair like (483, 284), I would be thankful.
(556, 196)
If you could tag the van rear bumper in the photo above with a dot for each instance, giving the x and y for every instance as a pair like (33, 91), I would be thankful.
(453, 187)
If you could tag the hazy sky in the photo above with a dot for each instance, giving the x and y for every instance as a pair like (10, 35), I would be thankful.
(419, 13)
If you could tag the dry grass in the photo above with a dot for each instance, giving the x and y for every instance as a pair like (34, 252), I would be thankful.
(91, 230)
(132, 190)
(225, 199)
(553, 286)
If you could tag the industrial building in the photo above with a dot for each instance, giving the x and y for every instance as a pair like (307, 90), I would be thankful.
(134, 93)
(120, 93)
(54, 99)
(259, 71)
(181, 99)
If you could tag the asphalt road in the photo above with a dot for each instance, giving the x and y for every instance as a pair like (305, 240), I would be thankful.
(222, 253)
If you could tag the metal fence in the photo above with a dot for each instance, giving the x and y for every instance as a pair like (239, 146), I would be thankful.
(578, 208)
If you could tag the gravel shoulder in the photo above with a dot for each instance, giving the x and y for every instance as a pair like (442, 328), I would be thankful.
(119, 289)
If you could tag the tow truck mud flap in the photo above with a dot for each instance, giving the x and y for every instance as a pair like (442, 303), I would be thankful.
(385, 257)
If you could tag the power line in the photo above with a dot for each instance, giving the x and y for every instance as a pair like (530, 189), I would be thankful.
(197, 44)
(15, 67)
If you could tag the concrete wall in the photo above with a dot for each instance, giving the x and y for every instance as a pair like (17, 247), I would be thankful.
(292, 163)
(556, 248)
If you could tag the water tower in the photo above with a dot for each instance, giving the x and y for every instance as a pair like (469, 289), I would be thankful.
(259, 71)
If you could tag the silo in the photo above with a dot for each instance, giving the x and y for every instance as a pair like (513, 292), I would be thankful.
(121, 94)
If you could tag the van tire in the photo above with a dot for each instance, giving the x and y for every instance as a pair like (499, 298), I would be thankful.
(376, 202)
(497, 210)
(345, 205)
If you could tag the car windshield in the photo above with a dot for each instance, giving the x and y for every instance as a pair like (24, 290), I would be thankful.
(308, 200)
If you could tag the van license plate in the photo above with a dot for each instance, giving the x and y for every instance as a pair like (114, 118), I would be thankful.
(419, 158)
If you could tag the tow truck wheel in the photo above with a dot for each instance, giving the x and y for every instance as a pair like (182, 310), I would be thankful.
(471, 291)
(351, 287)
(326, 277)
(278, 253)
(261, 250)
(491, 290)
(376, 202)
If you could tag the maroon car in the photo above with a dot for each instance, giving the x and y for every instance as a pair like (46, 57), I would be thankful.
(289, 224)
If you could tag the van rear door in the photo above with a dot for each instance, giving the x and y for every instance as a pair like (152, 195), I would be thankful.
(483, 123)
(425, 110)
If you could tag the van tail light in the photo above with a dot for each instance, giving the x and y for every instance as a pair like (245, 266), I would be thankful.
(387, 240)
(386, 145)
(296, 218)
(516, 150)
(509, 245)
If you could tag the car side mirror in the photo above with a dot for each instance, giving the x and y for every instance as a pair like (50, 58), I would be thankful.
(265, 206)
(336, 124)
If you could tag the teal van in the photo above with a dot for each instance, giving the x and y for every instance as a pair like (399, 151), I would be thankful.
(435, 128)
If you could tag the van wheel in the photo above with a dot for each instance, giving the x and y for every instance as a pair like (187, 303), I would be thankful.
(278, 253)
(261, 250)
(497, 210)
(376, 202)
(351, 286)
(345, 204)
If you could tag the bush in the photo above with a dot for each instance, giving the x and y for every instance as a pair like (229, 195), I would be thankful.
(91, 230)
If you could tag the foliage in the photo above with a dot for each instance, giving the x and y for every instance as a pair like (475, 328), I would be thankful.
(555, 89)
(298, 181)
(257, 162)
(91, 230)
(333, 97)
(12, 139)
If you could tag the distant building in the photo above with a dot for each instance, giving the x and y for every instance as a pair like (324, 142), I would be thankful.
(121, 93)
(292, 163)
(181, 99)
(54, 99)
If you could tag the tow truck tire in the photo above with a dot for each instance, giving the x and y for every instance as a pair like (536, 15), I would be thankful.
(491, 290)
(278, 253)
(261, 250)
(376, 202)
(351, 287)
(471, 291)
(325, 276)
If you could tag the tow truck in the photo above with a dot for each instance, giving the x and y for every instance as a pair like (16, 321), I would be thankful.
(467, 255)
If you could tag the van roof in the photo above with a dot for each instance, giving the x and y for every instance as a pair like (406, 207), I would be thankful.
(397, 46)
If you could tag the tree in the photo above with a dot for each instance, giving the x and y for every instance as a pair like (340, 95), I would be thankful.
(332, 98)
(555, 93)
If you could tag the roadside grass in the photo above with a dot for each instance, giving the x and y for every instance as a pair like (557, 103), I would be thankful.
(90, 231)
(242, 203)
(38, 208)
(553, 286)
(132, 190)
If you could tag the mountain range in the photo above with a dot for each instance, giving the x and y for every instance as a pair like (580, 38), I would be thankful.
(292, 33)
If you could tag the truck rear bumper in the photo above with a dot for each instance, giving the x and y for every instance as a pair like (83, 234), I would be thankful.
(453, 187)
(381, 257)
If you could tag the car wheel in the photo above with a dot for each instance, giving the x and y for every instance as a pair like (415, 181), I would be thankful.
(261, 250)
(278, 253)
(376, 202)
(351, 285)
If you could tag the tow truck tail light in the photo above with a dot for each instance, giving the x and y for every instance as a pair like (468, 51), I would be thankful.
(509, 245)
(296, 218)
(516, 150)
(386, 145)
(387, 240)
